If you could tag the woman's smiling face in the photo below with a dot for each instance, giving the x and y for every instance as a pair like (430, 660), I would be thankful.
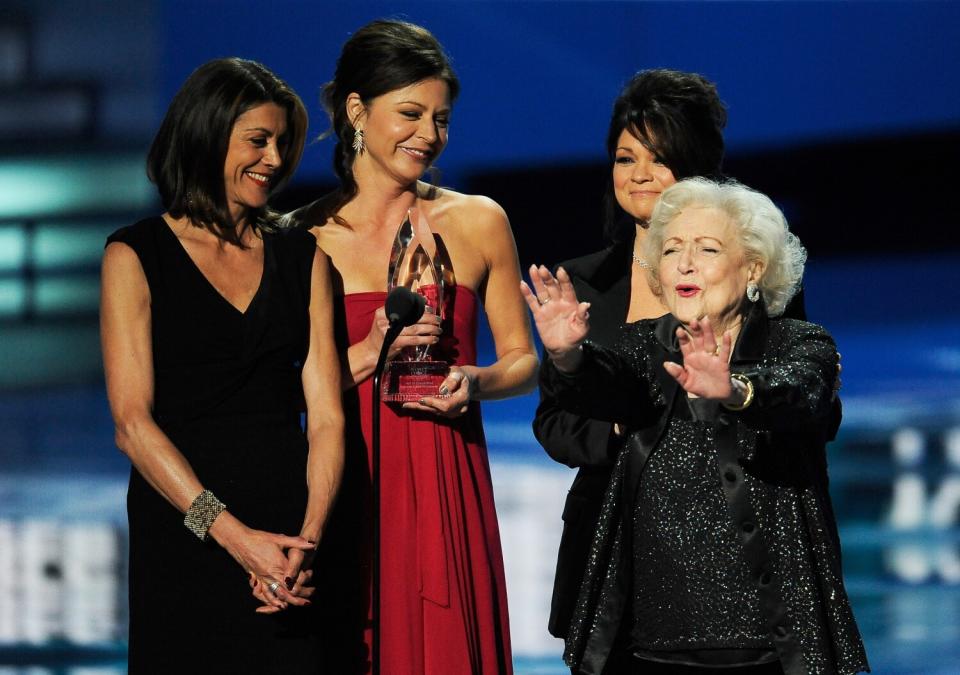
(254, 155)
(405, 130)
(639, 176)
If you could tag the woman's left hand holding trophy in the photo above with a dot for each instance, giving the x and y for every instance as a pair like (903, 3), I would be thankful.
(454, 395)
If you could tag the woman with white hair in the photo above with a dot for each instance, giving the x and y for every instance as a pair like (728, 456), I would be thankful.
(716, 546)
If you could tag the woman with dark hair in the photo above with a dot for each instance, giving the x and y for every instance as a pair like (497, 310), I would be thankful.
(666, 125)
(443, 604)
(216, 328)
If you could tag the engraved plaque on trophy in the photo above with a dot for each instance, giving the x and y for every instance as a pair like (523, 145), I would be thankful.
(414, 264)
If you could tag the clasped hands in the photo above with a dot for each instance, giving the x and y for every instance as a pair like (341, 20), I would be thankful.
(277, 565)
(562, 322)
(288, 581)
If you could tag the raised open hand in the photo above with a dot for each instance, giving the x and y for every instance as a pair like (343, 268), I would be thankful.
(705, 371)
(561, 320)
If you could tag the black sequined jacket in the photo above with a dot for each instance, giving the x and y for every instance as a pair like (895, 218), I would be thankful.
(601, 278)
(771, 464)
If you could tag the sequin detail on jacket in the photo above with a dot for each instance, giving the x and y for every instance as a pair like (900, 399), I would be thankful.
(771, 466)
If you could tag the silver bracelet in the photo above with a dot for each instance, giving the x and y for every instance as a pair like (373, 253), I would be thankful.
(202, 512)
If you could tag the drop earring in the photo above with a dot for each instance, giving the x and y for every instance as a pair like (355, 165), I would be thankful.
(358, 141)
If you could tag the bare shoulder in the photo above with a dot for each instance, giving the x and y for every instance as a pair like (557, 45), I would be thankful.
(477, 218)
(122, 279)
(475, 208)
(315, 219)
(308, 216)
(119, 259)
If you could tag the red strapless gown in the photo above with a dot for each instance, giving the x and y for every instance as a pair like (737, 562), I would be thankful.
(443, 594)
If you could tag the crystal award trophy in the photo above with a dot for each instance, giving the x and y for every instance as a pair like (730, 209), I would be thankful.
(414, 263)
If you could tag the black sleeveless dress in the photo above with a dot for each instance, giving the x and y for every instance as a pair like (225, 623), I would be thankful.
(228, 395)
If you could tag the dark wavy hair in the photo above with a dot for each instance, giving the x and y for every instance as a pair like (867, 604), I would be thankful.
(380, 57)
(188, 153)
(677, 116)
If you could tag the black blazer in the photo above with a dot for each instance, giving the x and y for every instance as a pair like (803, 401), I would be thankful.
(603, 280)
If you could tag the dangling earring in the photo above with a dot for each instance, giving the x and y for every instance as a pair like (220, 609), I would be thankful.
(753, 292)
(358, 141)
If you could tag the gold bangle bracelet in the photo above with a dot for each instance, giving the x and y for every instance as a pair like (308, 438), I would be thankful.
(748, 399)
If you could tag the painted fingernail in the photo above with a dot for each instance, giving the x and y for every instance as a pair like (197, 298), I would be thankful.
(422, 401)
(444, 390)
(289, 582)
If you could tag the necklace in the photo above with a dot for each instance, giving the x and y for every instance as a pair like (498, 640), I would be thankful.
(640, 261)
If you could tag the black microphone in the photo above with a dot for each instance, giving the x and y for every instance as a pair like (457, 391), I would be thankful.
(404, 307)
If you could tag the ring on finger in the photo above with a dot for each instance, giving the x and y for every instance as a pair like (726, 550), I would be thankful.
(543, 302)
(273, 587)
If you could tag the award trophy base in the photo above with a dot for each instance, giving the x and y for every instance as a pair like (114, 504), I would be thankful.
(404, 381)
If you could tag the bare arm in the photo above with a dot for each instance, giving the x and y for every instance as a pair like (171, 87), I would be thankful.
(125, 326)
(128, 363)
(515, 370)
(321, 388)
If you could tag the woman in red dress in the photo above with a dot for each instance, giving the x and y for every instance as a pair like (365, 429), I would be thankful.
(443, 599)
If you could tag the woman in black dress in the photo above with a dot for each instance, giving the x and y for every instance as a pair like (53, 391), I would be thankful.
(215, 330)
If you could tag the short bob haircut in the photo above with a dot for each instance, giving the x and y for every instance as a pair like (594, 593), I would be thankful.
(186, 160)
(678, 117)
(382, 56)
(763, 231)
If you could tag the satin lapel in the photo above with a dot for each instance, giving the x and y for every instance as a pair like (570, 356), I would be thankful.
(643, 442)
(607, 311)
(605, 283)
(666, 332)
(753, 336)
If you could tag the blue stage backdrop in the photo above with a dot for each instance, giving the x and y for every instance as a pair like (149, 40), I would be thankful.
(538, 77)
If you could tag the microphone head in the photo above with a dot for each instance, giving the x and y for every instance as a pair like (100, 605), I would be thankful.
(404, 307)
